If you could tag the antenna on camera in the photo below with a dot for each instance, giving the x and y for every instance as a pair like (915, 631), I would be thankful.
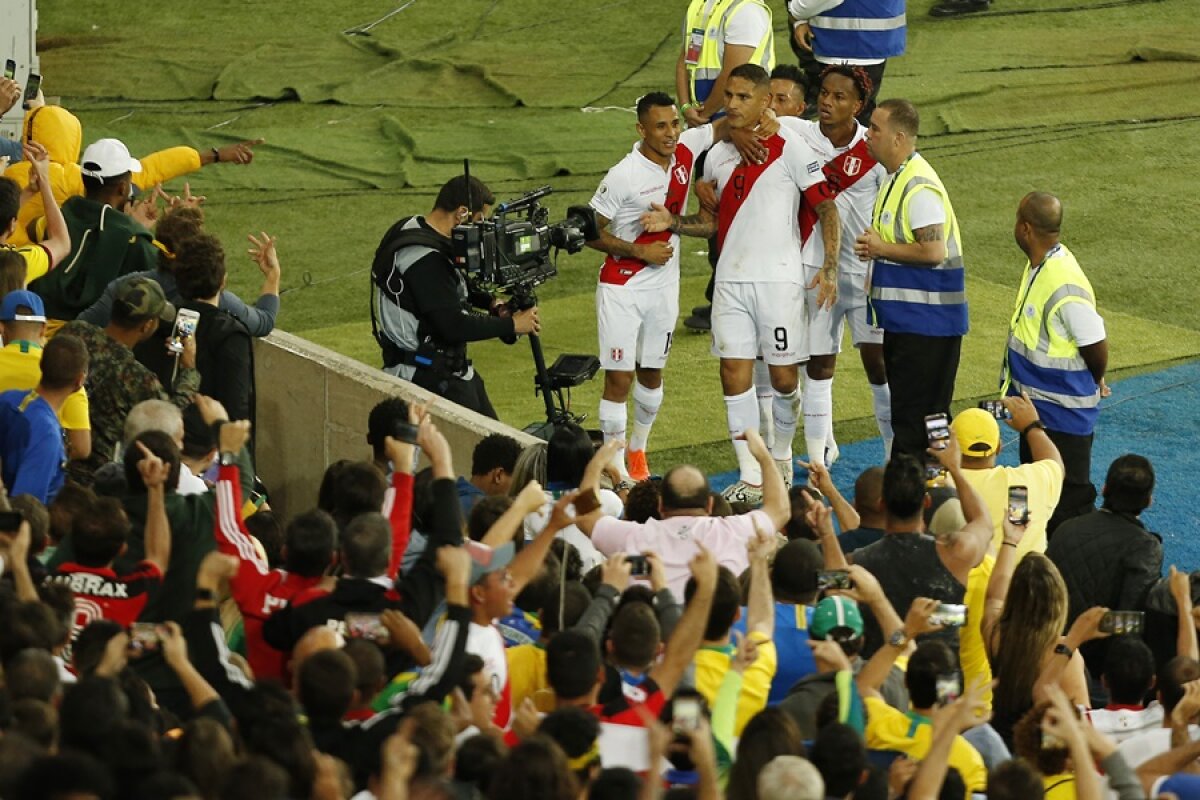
(467, 178)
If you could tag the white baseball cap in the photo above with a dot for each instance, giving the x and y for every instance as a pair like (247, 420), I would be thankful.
(108, 158)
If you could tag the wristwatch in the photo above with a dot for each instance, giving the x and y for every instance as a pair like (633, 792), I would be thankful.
(898, 638)
(227, 459)
(1037, 423)
(205, 594)
(1061, 649)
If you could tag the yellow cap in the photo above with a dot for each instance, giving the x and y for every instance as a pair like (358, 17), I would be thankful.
(978, 433)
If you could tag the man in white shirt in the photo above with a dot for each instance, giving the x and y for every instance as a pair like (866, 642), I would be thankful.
(1128, 676)
(759, 300)
(637, 300)
(855, 177)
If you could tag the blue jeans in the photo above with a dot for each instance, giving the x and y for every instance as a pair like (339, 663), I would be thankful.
(10, 148)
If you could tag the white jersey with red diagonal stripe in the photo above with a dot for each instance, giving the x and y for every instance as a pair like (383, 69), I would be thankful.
(627, 192)
(757, 223)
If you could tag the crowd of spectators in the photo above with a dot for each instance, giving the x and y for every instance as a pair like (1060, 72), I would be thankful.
(523, 626)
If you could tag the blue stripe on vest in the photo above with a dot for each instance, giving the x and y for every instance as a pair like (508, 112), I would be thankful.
(1075, 421)
(901, 276)
(703, 89)
(926, 320)
(1076, 383)
(829, 43)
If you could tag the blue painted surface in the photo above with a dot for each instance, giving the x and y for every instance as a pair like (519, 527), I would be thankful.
(1155, 415)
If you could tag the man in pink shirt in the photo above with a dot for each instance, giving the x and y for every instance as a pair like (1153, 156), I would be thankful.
(685, 506)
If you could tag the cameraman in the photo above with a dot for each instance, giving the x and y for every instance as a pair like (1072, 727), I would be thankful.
(422, 306)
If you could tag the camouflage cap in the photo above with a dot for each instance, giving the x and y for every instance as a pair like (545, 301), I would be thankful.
(143, 298)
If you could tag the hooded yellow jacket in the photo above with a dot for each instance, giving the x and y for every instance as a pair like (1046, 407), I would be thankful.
(59, 131)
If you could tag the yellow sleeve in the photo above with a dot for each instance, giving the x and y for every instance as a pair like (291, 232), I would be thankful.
(756, 682)
(968, 762)
(37, 262)
(166, 164)
(74, 412)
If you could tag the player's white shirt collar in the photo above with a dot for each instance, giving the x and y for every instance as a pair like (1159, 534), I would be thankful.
(647, 163)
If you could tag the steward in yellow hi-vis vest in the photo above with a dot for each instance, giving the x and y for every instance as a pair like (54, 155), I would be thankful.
(1041, 359)
(1057, 350)
(917, 298)
(917, 282)
(713, 25)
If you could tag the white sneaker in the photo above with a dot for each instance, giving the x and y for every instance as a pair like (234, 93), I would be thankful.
(741, 492)
(787, 470)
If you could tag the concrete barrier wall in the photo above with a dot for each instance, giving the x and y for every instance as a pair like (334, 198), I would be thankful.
(312, 410)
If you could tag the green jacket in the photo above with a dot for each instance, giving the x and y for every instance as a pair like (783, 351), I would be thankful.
(105, 244)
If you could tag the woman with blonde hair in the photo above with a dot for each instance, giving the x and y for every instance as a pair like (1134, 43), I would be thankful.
(1026, 646)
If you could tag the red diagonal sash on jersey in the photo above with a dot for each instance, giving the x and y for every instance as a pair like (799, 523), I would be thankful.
(738, 187)
(841, 173)
(619, 270)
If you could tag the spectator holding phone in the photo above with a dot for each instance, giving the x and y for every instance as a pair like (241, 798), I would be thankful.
(224, 351)
(907, 562)
(978, 435)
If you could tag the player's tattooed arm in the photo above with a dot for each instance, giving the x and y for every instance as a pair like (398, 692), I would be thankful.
(701, 226)
(658, 218)
(831, 238)
(655, 253)
(607, 243)
(831, 234)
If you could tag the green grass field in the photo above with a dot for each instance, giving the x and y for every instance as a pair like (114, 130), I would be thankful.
(1090, 99)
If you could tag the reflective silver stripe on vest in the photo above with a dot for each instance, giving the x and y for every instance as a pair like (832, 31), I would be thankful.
(858, 24)
(704, 74)
(1039, 358)
(1061, 400)
(953, 258)
(1059, 294)
(918, 296)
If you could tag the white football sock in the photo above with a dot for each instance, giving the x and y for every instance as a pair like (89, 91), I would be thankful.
(613, 418)
(784, 408)
(881, 395)
(818, 417)
(646, 403)
(766, 398)
(742, 411)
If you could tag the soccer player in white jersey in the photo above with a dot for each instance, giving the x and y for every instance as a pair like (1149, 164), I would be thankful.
(855, 177)
(759, 300)
(637, 299)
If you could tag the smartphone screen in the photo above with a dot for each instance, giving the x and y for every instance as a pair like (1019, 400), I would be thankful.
(685, 714)
(834, 579)
(937, 428)
(1120, 623)
(186, 321)
(949, 687)
(10, 69)
(362, 625)
(639, 567)
(995, 408)
(949, 615)
(33, 87)
(1018, 505)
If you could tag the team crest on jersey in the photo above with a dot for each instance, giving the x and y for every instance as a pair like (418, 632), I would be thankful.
(681, 174)
(617, 353)
(851, 166)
